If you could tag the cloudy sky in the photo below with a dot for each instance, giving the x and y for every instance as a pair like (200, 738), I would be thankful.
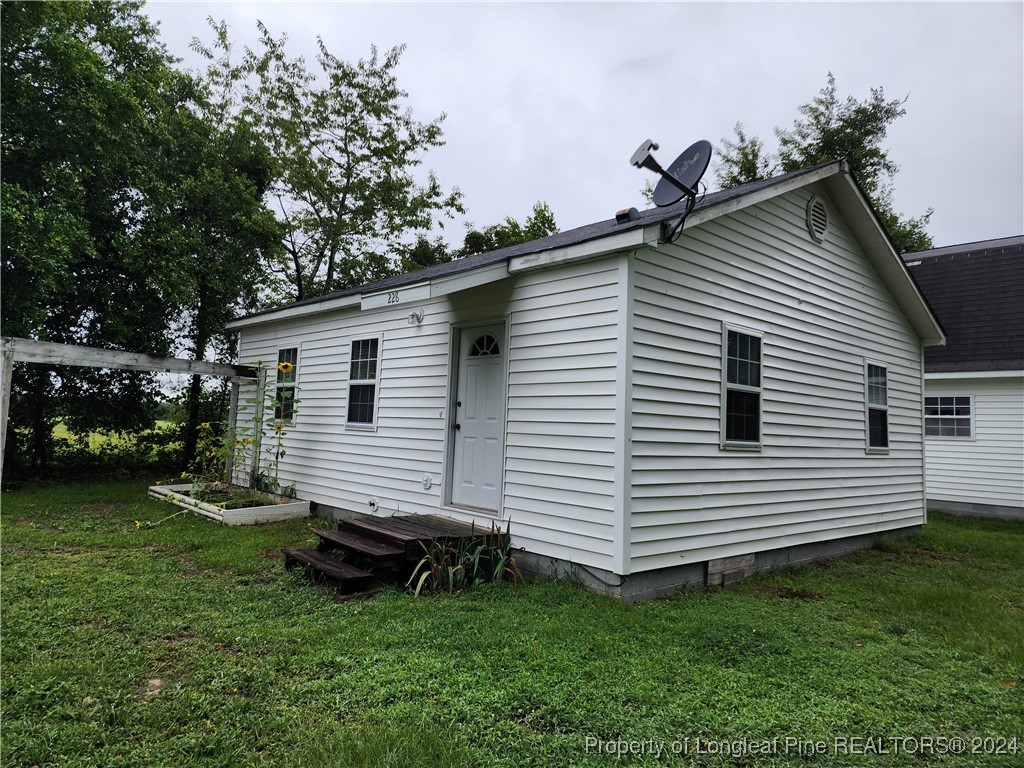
(548, 101)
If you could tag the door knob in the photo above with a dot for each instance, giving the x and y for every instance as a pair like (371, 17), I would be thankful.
(457, 426)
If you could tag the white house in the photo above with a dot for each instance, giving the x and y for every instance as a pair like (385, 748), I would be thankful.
(974, 386)
(648, 415)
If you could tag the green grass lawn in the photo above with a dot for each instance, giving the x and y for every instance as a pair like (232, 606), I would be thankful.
(187, 644)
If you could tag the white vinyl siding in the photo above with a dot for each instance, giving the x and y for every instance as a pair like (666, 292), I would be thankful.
(345, 468)
(822, 309)
(990, 468)
(559, 436)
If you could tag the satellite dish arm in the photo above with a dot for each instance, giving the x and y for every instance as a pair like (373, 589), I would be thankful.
(672, 179)
(643, 158)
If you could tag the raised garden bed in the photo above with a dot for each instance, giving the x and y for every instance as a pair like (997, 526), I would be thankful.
(260, 507)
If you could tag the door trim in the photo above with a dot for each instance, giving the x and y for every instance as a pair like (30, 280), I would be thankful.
(454, 361)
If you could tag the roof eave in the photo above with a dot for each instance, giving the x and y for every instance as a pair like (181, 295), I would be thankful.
(876, 243)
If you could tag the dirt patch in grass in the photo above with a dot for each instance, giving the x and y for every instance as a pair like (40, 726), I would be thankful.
(173, 642)
(37, 524)
(152, 687)
(788, 593)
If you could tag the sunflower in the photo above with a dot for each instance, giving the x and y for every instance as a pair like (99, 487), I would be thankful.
(285, 367)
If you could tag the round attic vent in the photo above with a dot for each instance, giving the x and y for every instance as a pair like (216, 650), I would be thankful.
(817, 218)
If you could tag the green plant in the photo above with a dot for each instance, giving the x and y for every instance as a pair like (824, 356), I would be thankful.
(451, 566)
(254, 443)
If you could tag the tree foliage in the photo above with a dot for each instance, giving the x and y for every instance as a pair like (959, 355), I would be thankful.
(830, 128)
(346, 152)
(129, 215)
(742, 160)
(540, 223)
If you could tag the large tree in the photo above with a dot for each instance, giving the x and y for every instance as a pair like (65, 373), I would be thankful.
(830, 128)
(346, 150)
(122, 199)
(540, 223)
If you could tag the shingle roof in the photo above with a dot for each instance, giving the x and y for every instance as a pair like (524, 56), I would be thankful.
(559, 240)
(977, 291)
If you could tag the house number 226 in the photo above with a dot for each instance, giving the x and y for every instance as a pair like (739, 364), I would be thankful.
(393, 297)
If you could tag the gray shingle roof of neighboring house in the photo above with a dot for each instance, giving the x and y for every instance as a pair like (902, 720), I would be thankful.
(559, 240)
(977, 291)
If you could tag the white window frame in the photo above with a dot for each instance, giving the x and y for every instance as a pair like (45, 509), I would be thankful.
(375, 382)
(279, 384)
(741, 445)
(868, 407)
(969, 418)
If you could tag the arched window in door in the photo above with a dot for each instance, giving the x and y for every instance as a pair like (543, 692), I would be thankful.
(485, 346)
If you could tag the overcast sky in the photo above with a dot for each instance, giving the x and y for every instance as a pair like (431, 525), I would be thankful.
(548, 101)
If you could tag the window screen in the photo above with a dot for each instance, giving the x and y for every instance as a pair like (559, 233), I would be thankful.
(742, 411)
(362, 381)
(877, 386)
(287, 374)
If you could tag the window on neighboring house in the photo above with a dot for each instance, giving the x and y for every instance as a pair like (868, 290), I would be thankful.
(741, 397)
(284, 396)
(877, 391)
(362, 382)
(948, 417)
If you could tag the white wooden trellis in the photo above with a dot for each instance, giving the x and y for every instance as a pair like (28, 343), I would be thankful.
(15, 350)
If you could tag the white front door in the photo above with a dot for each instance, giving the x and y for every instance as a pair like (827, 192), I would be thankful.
(479, 418)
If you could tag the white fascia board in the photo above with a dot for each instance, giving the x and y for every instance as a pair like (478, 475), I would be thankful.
(395, 296)
(591, 249)
(889, 265)
(470, 279)
(290, 313)
(385, 299)
(973, 375)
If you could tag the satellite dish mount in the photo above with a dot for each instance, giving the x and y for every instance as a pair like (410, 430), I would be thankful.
(679, 181)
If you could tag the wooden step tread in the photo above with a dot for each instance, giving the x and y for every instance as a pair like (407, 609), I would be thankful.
(381, 531)
(353, 541)
(326, 564)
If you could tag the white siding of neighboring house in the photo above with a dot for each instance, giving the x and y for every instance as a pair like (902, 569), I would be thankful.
(558, 477)
(822, 309)
(988, 469)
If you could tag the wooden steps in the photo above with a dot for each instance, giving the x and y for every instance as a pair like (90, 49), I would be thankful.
(364, 551)
(356, 543)
(320, 566)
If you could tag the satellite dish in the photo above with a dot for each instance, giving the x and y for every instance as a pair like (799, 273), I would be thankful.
(679, 181)
(687, 170)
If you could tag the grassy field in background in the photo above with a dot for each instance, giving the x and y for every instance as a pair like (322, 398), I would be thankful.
(130, 641)
(96, 439)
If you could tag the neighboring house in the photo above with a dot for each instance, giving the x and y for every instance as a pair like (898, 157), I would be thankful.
(644, 415)
(974, 386)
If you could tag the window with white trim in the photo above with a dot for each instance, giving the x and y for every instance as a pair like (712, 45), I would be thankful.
(284, 392)
(362, 382)
(876, 384)
(741, 389)
(949, 416)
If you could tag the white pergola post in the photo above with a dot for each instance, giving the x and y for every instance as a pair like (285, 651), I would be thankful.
(6, 370)
(231, 432)
(257, 446)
